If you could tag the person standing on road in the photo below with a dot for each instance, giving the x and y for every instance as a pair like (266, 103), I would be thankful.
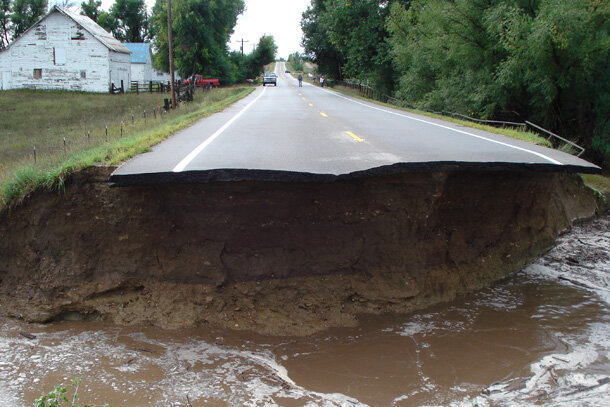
(321, 81)
(300, 81)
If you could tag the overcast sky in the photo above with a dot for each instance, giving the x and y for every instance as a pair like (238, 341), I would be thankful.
(280, 18)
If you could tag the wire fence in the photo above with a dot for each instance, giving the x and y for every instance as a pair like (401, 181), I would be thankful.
(113, 130)
(48, 151)
(556, 141)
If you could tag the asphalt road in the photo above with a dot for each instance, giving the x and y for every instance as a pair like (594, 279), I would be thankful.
(287, 133)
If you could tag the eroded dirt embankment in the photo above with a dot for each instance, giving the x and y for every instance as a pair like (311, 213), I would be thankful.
(277, 258)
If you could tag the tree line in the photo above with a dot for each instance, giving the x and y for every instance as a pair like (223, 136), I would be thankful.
(546, 61)
(201, 30)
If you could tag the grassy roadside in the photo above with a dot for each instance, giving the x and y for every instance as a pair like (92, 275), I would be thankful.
(270, 67)
(600, 184)
(20, 175)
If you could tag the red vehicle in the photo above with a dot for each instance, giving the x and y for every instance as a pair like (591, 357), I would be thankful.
(200, 82)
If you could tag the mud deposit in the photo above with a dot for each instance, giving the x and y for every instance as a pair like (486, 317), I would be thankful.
(540, 337)
(275, 258)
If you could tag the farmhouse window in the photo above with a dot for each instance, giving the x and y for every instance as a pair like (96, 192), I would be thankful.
(60, 56)
(37, 73)
(83, 74)
(78, 36)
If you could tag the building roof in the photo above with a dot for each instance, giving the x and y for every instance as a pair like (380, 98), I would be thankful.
(140, 52)
(88, 25)
(94, 29)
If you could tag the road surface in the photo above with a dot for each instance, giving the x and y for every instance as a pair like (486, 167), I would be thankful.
(291, 133)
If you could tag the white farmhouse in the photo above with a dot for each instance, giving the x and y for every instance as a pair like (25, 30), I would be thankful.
(142, 70)
(65, 51)
(141, 61)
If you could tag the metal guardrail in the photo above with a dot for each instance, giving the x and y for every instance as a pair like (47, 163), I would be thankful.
(372, 93)
(553, 135)
(490, 122)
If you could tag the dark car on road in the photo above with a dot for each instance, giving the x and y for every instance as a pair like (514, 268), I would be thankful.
(269, 78)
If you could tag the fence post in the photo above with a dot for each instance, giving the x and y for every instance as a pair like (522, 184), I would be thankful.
(34, 154)
(64, 144)
(144, 116)
(132, 120)
(88, 137)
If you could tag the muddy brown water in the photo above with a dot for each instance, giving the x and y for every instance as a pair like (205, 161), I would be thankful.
(540, 337)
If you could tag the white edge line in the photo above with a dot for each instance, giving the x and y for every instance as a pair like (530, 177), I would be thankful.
(187, 160)
(447, 127)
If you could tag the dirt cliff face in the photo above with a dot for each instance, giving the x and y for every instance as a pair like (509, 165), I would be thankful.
(277, 258)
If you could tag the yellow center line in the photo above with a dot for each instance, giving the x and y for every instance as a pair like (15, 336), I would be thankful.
(352, 135)
(303, 98)
(311, 104)
(323, 114)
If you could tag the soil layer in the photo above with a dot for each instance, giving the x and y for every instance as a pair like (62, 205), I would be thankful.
(276, 258)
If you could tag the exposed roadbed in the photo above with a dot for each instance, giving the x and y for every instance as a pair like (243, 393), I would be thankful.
(277, 258)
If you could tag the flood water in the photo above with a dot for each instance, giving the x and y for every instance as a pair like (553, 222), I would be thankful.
(541, 337)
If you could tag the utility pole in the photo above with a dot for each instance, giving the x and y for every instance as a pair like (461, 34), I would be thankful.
(242, 45)
(171, 51)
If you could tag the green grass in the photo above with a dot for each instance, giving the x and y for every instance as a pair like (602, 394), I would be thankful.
(599, 183)
(42, 119)
(308, 67)
(523, 135)
(270, 67)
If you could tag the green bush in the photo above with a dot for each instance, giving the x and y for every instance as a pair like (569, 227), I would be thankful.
(57, 397)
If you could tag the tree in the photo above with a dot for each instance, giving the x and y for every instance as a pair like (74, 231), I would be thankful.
(445, 55)
(348, 39)
(251, 65)
(5, 23)
(201, 29)
(104, 19)
(132, 20)
(316, 41)
(109, 23)
(26, 13)
(546, 61)
(265, 51)
(296, 61)
(91, 9)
